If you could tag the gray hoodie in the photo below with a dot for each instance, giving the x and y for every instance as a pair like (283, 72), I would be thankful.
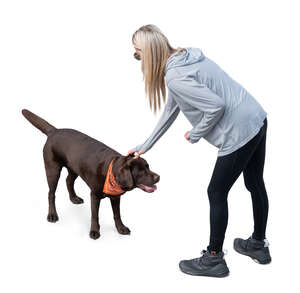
(219, 109)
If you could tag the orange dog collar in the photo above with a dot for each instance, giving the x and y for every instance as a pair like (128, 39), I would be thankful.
(111, 186)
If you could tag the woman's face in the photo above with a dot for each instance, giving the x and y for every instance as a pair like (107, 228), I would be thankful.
(138, 52)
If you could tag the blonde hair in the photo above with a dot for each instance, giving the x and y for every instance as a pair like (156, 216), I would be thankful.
(156, 50)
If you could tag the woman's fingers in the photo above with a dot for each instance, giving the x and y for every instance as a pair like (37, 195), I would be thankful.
(187, 135)
(139, 153)
(132, 151)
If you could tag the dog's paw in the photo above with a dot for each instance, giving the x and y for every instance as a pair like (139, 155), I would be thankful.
(94, 234)
(52, 217)
(76, 199)
(123, 230)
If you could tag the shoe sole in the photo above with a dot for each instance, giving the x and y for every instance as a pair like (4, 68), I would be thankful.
(262, 262)
(207, 274)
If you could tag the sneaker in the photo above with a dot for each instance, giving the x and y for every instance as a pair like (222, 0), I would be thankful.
(258, 250)
(210, 265)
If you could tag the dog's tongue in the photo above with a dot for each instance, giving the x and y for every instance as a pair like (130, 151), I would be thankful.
(150, 188)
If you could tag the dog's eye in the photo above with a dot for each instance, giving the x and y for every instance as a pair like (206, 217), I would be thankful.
(147, 166)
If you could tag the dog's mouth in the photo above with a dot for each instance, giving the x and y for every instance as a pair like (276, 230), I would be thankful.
(147, 188)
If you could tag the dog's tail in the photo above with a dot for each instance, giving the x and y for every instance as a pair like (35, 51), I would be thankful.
(38, 122)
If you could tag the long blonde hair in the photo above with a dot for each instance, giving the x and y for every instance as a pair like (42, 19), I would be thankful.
(156, 50)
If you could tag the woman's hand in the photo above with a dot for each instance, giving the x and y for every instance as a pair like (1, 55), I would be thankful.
(132, 151)
(187, 136)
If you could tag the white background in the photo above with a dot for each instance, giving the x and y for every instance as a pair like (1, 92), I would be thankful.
(71, 62)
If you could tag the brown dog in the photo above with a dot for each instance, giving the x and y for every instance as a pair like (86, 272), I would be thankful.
(105, 171)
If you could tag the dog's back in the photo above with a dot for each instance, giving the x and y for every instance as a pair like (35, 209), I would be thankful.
(71, 148)
(75, 149)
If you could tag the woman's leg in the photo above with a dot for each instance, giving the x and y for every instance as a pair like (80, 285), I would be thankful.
(254, 182)
(226, 171)
(221, 181)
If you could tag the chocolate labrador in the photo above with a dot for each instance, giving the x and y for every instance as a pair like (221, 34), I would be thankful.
(105, 171)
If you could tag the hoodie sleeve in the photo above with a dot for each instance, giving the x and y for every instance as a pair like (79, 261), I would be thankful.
(201, 97)
(168, 116)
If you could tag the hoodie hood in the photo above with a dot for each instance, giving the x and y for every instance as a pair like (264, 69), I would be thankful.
(187, 56)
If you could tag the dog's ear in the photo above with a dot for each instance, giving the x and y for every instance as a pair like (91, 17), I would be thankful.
(125, 176)
(128, 159)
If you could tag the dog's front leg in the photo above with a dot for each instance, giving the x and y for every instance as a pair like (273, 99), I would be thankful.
(95, 227)
(115, 204)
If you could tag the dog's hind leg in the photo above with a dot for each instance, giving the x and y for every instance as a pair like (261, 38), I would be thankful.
(70, 185)
(115, 204)
(53, 170)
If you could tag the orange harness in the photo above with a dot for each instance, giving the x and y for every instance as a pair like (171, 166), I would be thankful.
(111, 186)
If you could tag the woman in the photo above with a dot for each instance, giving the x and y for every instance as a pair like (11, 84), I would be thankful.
(227, 116)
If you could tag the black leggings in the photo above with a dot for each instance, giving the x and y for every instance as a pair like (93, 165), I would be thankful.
(250, 160)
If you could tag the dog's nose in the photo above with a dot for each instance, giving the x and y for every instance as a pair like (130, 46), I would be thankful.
(156, 178)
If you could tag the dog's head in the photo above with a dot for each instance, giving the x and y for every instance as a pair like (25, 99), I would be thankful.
(131, 173)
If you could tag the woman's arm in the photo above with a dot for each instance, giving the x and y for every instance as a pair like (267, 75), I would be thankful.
(168, 116)
(201, 97)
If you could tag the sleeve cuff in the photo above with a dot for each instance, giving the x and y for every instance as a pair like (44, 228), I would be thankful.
(193, 139)
(139, 147)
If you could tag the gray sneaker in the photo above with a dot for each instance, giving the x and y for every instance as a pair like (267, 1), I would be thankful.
(258, 250)
(209, 265)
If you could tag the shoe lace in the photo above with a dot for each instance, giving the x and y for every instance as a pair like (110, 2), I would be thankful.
(199, 259)
(204, 252)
